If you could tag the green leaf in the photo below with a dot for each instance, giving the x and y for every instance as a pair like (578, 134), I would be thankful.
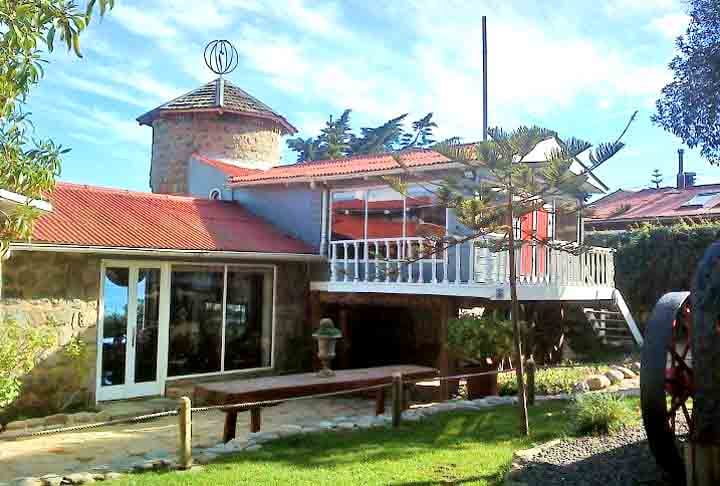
(76, 45)
(89, 11)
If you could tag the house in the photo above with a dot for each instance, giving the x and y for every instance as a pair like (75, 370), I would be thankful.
(686, 201)
(224, 269)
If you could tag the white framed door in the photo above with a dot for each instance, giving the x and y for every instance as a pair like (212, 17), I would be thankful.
(132, 329)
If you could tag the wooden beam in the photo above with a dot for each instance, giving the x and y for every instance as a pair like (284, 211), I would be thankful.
(346, 341)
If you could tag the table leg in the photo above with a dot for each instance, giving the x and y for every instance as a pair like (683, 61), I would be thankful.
(255, 419)
(380, 401)
(230, 425)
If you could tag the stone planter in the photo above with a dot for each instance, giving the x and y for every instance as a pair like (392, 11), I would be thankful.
(326, 337)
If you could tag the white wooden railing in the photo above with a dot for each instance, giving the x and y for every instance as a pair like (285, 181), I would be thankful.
(421, 261)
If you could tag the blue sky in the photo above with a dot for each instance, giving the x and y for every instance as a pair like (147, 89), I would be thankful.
(579, 67)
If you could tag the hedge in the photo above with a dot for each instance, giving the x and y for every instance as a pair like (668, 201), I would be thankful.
(652, 260)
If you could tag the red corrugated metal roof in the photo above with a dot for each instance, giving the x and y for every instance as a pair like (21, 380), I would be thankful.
(648, 204)
(229, 169)
(95, 216)
(361, 164)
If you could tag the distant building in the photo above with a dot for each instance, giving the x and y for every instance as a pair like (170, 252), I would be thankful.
(621, 210)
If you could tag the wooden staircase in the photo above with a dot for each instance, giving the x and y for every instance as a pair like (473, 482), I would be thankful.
(612, 322)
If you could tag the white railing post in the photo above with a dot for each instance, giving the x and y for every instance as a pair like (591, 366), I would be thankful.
(434, 263)
(446, 262)
(333, 261)
(356, 255)
(471, 264)
(346, 265)
(387, 261)
(458, 256)
(366, 255)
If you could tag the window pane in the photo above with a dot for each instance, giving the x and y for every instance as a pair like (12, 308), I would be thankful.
(348, 216)
(425, 216)
(195, 336)
(115, 315)
(248, 319)
(385, 213)
(148, 320)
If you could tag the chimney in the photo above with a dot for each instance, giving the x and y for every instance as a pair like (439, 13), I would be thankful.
(681, 170)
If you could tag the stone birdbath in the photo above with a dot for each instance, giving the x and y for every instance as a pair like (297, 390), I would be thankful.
(326, 336)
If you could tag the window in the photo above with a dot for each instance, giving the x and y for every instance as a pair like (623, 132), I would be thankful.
(220, 319)
(700, 199)
(384, 213)
(215, 194)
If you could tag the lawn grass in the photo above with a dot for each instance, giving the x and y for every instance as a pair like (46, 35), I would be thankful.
(469, 448)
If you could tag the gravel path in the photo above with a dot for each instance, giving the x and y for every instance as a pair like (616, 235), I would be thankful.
(620, 459)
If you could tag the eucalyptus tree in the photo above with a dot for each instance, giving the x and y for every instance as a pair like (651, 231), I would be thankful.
(29, 165)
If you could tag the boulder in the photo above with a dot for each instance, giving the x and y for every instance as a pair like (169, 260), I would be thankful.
(627, 372)
(112, 476)
(597, 382)
(614, 376)
(635, 366)
(57, 419)
(29, 482)
(581, 387)
(51, 480)
(80, 478)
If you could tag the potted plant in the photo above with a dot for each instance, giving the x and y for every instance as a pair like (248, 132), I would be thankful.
(326, 336)
(481, 343)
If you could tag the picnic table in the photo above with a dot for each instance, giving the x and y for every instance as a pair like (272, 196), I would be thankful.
(298, 385)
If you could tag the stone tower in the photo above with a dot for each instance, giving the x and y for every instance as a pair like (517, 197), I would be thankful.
(219, 121)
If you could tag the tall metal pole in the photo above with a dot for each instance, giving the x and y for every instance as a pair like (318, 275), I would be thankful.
(485, 82)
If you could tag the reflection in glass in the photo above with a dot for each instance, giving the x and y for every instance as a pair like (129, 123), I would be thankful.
(348, 215)
(425, 217)
(385, 214)
(248, 329)
(148, 321)
(115, 315)
(195, 333)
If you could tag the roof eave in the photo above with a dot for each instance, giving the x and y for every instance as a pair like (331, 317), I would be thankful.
(10, 199)
(164, 252)
(152, 115)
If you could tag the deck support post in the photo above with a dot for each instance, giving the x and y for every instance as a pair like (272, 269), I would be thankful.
(255, 419)
(345, 342)
(185, 434)
(397, 399)
(447, 310)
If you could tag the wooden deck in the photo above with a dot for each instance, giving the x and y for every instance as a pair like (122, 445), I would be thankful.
(298, 385)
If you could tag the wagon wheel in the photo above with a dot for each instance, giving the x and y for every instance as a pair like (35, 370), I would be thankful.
(666, 380)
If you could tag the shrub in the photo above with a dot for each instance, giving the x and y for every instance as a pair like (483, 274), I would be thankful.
(600, 414)
(652, 260)
(482, 339)
(21, 347)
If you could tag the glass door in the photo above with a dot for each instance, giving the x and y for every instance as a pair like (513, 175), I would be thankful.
(131, 308)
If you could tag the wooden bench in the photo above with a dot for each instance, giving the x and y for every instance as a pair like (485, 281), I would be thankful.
(298, 385)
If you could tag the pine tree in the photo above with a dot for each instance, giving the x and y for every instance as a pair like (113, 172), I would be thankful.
(422, 136)
(336, 138)
(491, 207)
(378, 140)
(307, 148)
(656, 178)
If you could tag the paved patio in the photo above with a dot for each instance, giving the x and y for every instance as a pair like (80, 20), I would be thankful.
(121, 445)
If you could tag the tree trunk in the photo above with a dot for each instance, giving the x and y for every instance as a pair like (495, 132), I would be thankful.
(514, 313)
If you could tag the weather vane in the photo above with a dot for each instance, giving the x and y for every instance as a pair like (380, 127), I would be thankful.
(221, 56)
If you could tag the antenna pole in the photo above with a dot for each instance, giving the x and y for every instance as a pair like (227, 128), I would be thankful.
(485, 82)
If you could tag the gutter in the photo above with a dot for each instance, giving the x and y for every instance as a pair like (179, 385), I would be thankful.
(168, 253)
(8, 198)
(352, 175)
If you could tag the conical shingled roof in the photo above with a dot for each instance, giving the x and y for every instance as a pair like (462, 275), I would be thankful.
(222, 96)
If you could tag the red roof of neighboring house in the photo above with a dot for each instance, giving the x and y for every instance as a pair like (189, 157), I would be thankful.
(100, 217)
(662, 203)
(225, 167)
(360, 164)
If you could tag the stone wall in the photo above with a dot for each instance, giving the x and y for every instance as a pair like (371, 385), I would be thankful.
(251, 141)
(60, 290)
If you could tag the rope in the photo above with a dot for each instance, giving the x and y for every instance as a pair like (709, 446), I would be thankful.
(107, 423)
(265, 403)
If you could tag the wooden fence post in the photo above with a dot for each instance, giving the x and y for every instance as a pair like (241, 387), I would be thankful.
(397, 399)
(185, 434)
(530, 370)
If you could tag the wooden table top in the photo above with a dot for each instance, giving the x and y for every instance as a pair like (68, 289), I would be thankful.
(286, 386)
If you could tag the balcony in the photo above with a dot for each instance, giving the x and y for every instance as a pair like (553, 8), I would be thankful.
(416, 265)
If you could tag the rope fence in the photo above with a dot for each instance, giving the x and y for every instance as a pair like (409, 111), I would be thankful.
(185, 412)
